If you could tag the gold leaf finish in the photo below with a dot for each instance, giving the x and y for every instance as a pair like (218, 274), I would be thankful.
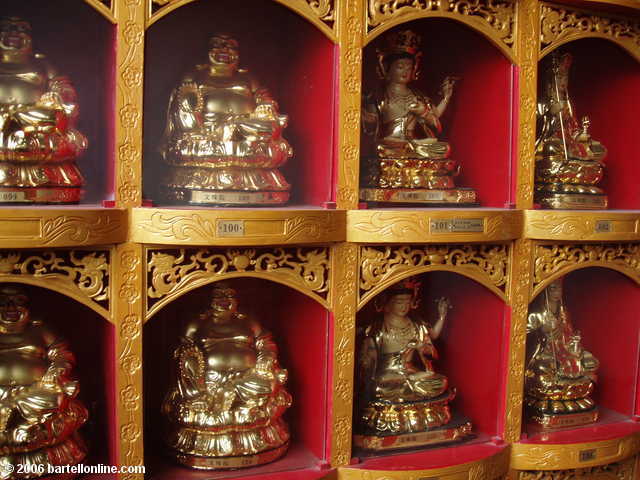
(80, 274)
(395, 226)
(384, 266)
(580, 226)
(559, 25)
(531, 456)
(267, 227)
(174, 272)
(615, 471)
(554, 260)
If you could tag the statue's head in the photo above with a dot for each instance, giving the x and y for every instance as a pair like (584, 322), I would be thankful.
(224, 53)
(224, 300)
(556, 73)
(554, 291)
(399, 58)
(14, 310)
(15, 37)
(400, 298)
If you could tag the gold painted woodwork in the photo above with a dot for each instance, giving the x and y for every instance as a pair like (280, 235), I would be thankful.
(350, 27)
(61, 227)
(128, 108)
(532, 456)
(321, 13)
(495, 19)
(383, 266)
(128, 304)
(344, 279)
(105, 7)
(83, 275)
(413, 226)
(262, 227)
(560, 25)
(490, 468)
(521, 273)
(174, 272)
(581, 225)
(552, 261)
(624, 470)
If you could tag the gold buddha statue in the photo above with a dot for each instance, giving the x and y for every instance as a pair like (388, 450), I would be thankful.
(404, 402)
(411, 165)
(559, 374)
(38, 112)
(39, 412)
(225, 408)
(568, 161)
(223, 141)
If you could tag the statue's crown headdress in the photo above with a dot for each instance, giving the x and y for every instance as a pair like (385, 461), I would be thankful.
(402, 41)
(223, 290)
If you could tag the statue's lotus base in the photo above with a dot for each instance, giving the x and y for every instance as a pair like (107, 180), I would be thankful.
(231, 462)
(56, 195)
(455, 431)
(225, 197)
(550, 413)
(454, 197)
(572, 201)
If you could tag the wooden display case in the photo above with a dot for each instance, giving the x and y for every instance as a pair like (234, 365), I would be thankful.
(326, 265)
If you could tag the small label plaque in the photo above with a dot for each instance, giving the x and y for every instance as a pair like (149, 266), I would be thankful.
(604, 226)
(12, 197)
(587, 455)
(456, 225)
(230, 228)
(428, 196)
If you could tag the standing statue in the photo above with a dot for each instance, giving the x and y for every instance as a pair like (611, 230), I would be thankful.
(568, 161)
(223, 141)
(411, 164)
(403, 402)
(38, 112)
(560, 374)
(39, 412)
(225, 408)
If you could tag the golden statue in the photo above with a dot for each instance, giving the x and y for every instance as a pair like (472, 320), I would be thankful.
(225, 409)
(404, 402)
(223, 140)
(568, 161)
(411, 164)
(560, 374)
(39, 412)
(38, 112)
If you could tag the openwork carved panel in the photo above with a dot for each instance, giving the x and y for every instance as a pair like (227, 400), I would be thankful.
(171, 272)
(550, 260)
(559, 24)
(81, 273)
(380, 267)
(498, 15)
(613, 471)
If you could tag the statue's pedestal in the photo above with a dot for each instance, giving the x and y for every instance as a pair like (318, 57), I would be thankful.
(454, 197)
(572, 201)
(231, 462)
(57, 195)
(551, 414)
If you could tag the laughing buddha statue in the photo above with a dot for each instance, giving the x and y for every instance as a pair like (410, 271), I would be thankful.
(38, 111)
(560, 373)
(404, 402)
(39, 412)
(223, 141)
(225, 408)
(569, 163)
(411, 164)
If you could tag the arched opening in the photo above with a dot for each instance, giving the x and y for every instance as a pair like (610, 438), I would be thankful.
(300, 328)
(284, 52)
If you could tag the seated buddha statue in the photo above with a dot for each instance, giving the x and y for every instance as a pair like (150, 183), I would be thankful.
(225, 407)
(411, 164)
(568, 160)
(39, 412)
(402, 396)
(38, 111)
(559, 373)
(223, 140)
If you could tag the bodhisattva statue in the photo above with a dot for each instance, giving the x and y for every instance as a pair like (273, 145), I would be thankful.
(568, 161)
(38, 112)
(403, 401)
(39, 412)
(223, 141)
(411, 165)
(225, 407)
(560, 374)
